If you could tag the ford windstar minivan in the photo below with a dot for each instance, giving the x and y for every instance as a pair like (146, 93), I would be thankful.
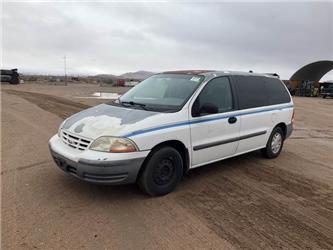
(173, 122)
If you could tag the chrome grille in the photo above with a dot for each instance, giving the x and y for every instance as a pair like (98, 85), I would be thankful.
(74, 140)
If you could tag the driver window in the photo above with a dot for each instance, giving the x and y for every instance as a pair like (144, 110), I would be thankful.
(216, 92)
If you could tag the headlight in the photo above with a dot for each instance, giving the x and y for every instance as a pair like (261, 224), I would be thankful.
(113, 145)
(60, 127)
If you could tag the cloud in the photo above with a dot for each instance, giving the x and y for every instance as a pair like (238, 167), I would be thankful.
(118, 37)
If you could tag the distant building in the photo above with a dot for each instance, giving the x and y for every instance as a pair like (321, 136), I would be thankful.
(305, 81)
(131, 82)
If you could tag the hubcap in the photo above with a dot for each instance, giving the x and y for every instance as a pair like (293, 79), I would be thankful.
(164, 171)
(276, 143)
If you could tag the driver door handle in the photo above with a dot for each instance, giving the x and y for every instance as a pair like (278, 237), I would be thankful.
(232, 119)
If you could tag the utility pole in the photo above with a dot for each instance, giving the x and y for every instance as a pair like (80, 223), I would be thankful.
(65, 66)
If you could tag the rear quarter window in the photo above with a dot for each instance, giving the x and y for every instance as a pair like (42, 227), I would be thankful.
(251, 91)
(277, 92)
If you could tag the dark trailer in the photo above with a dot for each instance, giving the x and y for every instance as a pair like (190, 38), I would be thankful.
(10, 76)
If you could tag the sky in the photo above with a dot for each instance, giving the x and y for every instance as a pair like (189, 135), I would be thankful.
(116, 37)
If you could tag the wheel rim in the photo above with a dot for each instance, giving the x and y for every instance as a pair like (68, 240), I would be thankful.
(164, 171)
(276, 143)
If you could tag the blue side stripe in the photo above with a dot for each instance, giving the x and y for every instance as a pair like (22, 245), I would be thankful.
(185, 123)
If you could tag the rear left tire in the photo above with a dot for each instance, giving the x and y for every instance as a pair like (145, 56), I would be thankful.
(274, 145)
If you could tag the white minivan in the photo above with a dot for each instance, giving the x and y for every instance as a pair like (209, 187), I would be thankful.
(173, 122)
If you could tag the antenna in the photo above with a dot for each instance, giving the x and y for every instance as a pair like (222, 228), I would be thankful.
(65, 67)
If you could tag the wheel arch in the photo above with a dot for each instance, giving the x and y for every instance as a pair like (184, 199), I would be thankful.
(283, 126)
(176, 144)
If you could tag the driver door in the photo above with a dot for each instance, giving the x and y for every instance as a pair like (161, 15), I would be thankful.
(214, 132)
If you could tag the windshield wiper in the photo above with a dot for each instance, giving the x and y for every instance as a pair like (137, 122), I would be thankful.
(142, 105)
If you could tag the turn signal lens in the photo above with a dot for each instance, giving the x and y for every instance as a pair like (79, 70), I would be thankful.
(122, 146)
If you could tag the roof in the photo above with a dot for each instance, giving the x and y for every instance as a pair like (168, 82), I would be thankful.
(313, 71)
(188, 72)
(215, 73)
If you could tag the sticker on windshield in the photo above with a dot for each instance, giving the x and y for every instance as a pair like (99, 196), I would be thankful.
(195, 79)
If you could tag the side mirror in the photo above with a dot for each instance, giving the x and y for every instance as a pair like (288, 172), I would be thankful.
(208, 108)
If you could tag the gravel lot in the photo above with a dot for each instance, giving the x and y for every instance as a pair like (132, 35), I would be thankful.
(246, 202)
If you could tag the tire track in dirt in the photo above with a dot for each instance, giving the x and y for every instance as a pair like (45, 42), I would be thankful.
(59, 106)
(292, 185)
(250, 202)
(25, 167)
(256, 206)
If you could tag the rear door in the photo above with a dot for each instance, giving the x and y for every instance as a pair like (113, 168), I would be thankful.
(255, 115)
(214, 136)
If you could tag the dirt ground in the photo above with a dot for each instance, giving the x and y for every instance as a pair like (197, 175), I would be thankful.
(246, 202)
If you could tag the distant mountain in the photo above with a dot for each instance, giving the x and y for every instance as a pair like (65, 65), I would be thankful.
(138, 75)
(107, 76)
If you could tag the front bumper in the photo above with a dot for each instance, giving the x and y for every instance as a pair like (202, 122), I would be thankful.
(97, 167)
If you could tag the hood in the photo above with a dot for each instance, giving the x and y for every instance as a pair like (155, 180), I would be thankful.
(105, 119)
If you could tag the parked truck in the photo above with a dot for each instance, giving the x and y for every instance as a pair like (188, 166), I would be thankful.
(10, 76)
(327, 90)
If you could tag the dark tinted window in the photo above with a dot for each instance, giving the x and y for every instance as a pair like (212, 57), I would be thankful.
(276, 91)
(217, 92)
(251, 91)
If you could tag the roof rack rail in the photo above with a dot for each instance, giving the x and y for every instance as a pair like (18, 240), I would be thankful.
(273, 74)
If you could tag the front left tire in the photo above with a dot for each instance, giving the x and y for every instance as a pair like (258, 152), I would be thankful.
(162, 172)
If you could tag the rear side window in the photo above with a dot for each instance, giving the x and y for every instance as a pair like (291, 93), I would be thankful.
(276, 91)
(251, 91)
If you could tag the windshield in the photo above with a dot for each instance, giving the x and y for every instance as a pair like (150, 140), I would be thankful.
(163, 92)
